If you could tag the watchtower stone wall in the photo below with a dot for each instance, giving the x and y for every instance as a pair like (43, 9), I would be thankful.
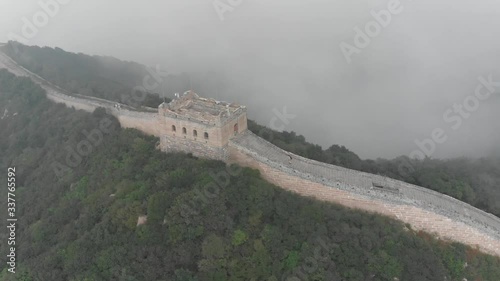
(199, 126)
(228, 139)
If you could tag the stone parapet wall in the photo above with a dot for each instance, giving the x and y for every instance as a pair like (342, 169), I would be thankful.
(72, 103)
(144, 121)
(424, 209)
(175, 144)
(233, 116)
(214, 133)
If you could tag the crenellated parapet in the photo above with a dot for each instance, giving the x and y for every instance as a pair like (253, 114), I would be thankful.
(199, 125)
(218, 130)
(422, 208)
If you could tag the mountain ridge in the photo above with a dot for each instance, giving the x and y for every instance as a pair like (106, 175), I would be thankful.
(463, 218)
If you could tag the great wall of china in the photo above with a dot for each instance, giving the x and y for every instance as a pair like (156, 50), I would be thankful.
(423, 209)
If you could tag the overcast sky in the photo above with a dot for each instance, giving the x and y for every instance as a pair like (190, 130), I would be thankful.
(272, 54)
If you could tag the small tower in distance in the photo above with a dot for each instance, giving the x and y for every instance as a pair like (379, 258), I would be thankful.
(200, 126)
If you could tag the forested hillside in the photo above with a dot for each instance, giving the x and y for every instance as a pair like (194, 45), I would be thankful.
(475, 181)
(78, 213)
(103, 77)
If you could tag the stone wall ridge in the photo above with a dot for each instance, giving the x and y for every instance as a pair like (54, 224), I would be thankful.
(423, 208)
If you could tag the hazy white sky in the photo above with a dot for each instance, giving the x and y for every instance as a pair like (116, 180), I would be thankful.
(272, 54)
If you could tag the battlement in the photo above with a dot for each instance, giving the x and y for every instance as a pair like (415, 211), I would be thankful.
(200, 126)
(193, 108)
(218, 130)
(422, 208)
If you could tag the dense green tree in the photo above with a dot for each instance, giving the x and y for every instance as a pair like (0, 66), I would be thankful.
(82, 225)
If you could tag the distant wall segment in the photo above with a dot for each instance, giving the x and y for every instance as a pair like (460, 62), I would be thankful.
(146, 122)
(422, 208)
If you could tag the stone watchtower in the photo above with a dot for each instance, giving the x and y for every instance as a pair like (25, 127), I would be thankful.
(200, 126)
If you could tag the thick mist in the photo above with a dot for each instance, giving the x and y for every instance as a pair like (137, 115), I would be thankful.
(420, 76)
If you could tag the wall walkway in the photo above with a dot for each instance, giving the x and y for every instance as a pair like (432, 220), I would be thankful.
(422, 208)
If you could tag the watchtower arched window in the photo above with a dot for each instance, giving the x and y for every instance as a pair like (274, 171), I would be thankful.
(195, 133)
(173, 128)
(206, 135)
(236, 128)
(184, 130)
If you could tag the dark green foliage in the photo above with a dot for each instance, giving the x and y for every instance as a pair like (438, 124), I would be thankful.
(102, 77)
(83, 226)
(473, 181)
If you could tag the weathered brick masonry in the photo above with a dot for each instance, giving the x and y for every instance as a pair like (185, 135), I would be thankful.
(229, 140)
(421, 208)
